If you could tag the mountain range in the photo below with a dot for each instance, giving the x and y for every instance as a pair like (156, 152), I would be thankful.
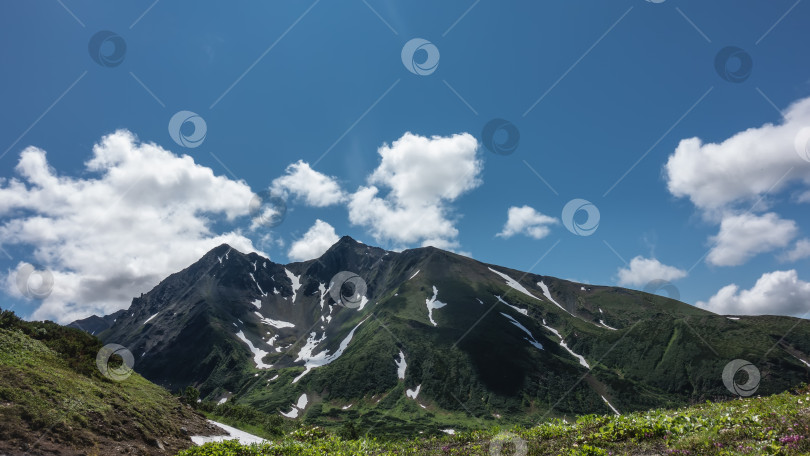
(426, 339)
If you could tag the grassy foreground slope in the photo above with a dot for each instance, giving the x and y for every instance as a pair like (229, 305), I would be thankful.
(774, 425)
(54, 400)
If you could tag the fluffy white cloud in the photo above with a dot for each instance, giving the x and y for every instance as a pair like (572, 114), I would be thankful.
(314, 243)
(800, 251)
(314, 188)
(139, 214)
(743, 167)
(741, 237)
(423, 176)
(526, 220)
(723, 179)
(642, 271)
(775, 293)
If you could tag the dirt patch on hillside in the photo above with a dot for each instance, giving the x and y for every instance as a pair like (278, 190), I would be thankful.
(114, 434)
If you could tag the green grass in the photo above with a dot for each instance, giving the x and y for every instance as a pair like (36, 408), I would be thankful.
(51, 390)
(774, 425)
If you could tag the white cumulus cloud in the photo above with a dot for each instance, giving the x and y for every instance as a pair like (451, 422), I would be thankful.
(314, 188)
(138, 214)
(800, 251)
(314, 243)
(742, 237)
(743, 167)
(526, 220)
(642, 271)
(744, 173)
(408, 197)
(775, 293)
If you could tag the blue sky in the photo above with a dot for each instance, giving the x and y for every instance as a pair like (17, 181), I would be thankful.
(592, 87)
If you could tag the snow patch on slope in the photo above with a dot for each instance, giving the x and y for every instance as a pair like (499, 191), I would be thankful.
(603, 321)
(363, 302)
(324, 290)
(323, 358)
(565, 346)
(298, 406)
(516, 308)
(296, 283)
(258, 303)
(414, 274)
(310, 346)
(302, 402)
(531, 338)
(401, 366)
(514, 284)
(803, 361)
(432, 303)
(150, 318)
(257, 284)
(606, 325)
(231, 434)
(547, 294)
(579, 357)
(413, 393)
(258, 354)
(611, 406)
(291, 414)
(275, 323)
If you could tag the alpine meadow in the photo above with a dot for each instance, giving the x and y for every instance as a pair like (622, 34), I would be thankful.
(379, 227)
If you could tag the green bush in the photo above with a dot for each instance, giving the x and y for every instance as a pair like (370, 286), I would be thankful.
(190, 396)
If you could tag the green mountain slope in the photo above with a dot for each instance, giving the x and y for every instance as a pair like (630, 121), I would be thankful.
(481, 344)
(774, 425)
(54, 400)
